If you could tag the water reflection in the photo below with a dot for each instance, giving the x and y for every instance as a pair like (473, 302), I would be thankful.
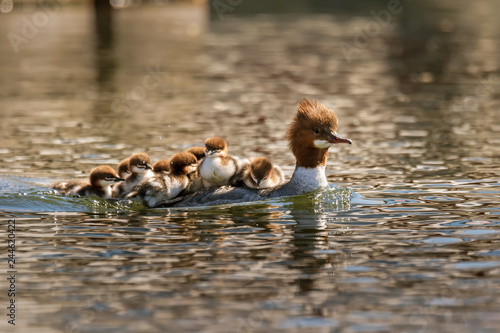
(103, 24)
(310, 240)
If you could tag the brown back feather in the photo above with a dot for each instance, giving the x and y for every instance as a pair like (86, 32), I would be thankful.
(162, 165)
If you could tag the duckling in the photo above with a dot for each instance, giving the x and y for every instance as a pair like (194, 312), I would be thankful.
(195, 181)
(140, 169)
(162, 165)
(263, 174)
(197, 151)
(166, 185)
(123, 170)
(101, 179)
(218, 168)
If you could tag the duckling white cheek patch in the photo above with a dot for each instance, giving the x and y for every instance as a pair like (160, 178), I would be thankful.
(322, 144)
(253, 177)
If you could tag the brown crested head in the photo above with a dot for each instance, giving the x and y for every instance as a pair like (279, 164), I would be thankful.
(123, 170)
(261, 167)
(103, 173)
(162, 165)
(181, 161)
(312, 131)
(215, 144)
(199, 152)
(139, 161)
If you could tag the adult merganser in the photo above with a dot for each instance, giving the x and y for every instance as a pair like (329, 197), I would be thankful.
(263, 174)
(123, 170)
(218, 168)
(162, 165)
(101, 179)
(312, 132)
(166, 185)
(140, 169)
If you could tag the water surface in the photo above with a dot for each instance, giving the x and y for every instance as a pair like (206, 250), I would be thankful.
(405, 239)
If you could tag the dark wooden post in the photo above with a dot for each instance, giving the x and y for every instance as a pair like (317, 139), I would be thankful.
(103, 23)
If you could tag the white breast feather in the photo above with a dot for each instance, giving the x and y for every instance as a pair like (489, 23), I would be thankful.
(310, 179)
(213, 171)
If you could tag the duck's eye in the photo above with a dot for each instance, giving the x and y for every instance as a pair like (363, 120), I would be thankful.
(316, 130)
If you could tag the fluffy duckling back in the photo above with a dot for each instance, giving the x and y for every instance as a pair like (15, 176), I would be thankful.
(162, 165)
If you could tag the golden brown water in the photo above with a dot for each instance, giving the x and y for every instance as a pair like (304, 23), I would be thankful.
(408, 242)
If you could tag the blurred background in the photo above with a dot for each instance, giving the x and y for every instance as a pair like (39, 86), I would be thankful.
(409, 243)
(88, 82)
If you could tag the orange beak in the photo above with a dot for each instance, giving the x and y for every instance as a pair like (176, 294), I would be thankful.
(335, 138)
